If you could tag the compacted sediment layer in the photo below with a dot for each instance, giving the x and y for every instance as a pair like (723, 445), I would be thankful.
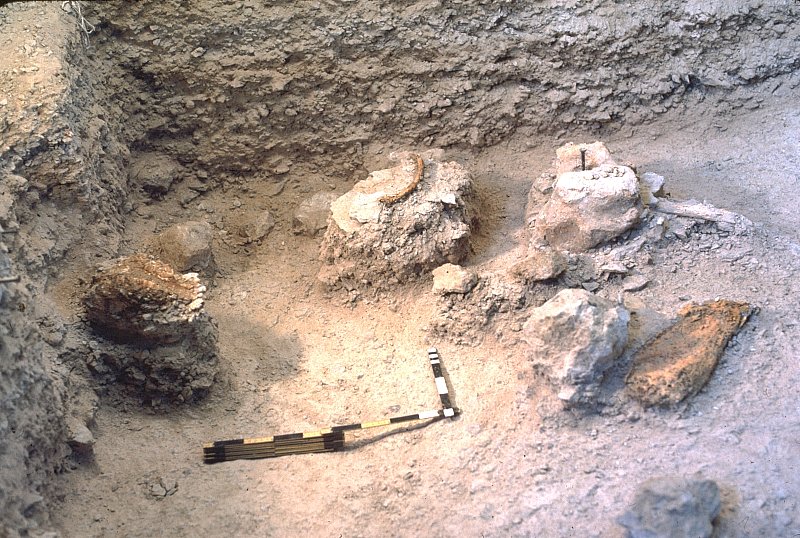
(214, 91)
(234, 85)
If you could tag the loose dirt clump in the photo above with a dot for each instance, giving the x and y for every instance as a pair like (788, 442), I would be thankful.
(187, 246)
(673, 506)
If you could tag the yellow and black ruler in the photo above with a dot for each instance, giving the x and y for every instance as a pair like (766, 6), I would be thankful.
(326, 440)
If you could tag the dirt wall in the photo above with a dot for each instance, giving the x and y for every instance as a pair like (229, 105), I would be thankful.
(61, 186)
(233, 85)
(32, 434)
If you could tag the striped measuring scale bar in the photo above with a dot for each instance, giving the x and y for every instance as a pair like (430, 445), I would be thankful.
(325, 440)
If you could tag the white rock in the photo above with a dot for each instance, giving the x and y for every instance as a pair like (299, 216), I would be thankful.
(451, 278)
(587, 208)
(652, 185)
(614, 267)
(365, 207)
(635, 282)
(448, 198)
(362, 204)
(574, 338)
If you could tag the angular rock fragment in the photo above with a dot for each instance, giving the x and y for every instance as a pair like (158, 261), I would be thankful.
(651, 186)
(540, 264)
(82, 404)
(186, 246)
(574, 338)
(259, 228)
(79, 437)
(618, 268)
(376, 238)
(668, 507)
(312, 214)
(680, 360)
(154, 173)
(159, 337)
(450, 278)
(635, 282)
(587, 208)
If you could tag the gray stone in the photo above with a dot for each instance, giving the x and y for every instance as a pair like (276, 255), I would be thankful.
(635, 282)
(312, 214)
(450, 278)
(186, 246)
(259, 228)
(79, 436)
(590, 285)
(670, 507)
(574, 338)
(154, 173)
(157, 489)
(680, 227)
(587, 208)
(614, 268)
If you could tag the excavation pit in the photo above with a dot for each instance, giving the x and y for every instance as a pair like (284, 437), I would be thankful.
(236, 114)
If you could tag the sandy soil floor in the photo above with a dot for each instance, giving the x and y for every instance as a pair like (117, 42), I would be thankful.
(513, 464)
